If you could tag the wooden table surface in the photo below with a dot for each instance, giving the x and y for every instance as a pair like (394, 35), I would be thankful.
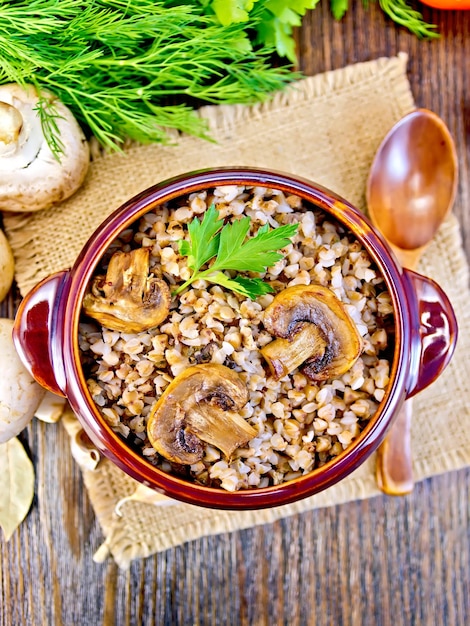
(381, 561)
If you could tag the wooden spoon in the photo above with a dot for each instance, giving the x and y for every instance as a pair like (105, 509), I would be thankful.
(410, 191)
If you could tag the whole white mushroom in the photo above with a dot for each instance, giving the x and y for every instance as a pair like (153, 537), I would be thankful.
(31, 177)
(20, 394)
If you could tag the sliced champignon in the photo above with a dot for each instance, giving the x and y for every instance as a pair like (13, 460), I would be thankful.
(200, 405)
(314, 330)
(128, 298)
(31, 177)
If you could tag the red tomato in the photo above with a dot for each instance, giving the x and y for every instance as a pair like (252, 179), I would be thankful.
(448, 4)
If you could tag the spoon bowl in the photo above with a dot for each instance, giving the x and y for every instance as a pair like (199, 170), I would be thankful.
(412, 183)
(410, 191)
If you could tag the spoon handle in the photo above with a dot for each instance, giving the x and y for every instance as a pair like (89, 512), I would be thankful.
(394, 461)
(394, 472)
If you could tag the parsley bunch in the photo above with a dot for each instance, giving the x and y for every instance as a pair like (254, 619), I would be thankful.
(228, 246)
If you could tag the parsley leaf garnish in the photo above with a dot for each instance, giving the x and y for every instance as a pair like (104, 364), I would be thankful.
(230, 248)
(203, 243)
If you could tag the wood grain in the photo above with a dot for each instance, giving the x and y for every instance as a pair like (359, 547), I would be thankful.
(381, 561)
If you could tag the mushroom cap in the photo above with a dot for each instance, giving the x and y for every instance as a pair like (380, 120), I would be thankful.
(31, 178)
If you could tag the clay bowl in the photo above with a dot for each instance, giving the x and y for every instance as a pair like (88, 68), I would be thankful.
(46, 337)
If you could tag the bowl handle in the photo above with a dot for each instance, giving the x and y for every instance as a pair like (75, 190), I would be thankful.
(37, 331)
(434, 329)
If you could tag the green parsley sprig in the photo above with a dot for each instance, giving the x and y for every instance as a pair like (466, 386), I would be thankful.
(228, 245)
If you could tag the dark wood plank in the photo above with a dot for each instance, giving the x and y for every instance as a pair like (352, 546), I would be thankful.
(380, 561)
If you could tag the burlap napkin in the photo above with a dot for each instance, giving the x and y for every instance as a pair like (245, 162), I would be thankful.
(326, 128)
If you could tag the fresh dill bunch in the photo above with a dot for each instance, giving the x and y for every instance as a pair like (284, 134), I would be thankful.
(132, 69)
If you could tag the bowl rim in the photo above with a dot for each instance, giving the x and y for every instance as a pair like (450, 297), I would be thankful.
(135, 465)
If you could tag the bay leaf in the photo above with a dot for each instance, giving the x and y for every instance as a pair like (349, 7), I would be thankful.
(16, 485)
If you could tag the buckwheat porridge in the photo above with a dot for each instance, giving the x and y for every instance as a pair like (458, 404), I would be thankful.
(216, 361)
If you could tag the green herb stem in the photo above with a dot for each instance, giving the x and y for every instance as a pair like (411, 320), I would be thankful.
(204, 275)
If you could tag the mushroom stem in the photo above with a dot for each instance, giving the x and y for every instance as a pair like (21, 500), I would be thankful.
(285, 355)
(207, 425)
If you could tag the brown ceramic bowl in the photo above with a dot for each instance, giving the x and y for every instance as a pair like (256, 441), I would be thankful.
(46, 336)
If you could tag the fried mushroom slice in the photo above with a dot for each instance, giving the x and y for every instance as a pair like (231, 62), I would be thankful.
(314, 330)
(128, 298)
(200, 405)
